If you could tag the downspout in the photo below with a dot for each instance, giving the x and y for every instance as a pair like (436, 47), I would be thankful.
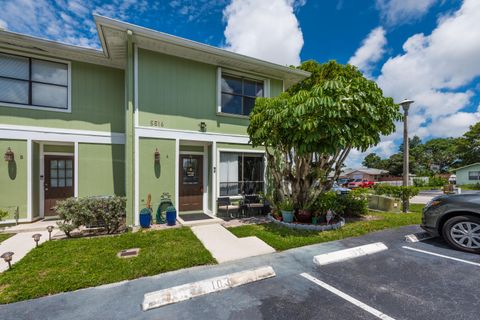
(129, 133)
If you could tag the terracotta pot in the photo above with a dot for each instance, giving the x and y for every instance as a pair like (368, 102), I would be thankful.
(304, 216)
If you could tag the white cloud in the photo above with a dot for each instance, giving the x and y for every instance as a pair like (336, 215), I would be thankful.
(68, 21)
(265, 29)
(371, 50)
(437, 71)
(403, 11)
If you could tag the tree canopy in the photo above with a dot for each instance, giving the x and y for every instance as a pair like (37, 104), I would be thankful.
(309, 130)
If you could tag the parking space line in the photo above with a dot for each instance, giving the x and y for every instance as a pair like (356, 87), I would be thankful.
(350, 253)
(347, 297)
(442, 256)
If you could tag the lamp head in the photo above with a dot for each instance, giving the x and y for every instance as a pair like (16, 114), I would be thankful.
(406, 104)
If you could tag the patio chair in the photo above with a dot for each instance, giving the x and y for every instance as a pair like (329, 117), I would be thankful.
(224, 204)
(255, 204)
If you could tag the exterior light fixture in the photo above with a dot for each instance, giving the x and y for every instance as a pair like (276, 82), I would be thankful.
(157, 155)
(36, 238)
(50, 229)
(7, 257)
(406, 170)
(203, 126)
(9, 155)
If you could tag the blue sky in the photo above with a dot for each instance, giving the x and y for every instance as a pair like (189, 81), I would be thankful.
(426, 50)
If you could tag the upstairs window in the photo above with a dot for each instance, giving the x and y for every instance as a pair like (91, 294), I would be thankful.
(238, 94)
(33, 82)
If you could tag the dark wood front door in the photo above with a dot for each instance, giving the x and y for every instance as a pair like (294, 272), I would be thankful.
(191, 183)
(59, 181)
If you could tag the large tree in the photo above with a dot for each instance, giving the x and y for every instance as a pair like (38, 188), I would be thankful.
(469, 145)
(309, 130)
(372, 160)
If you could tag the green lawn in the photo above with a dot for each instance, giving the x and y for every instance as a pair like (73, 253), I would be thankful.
(66, 265)
(283, 238)
(5, 236)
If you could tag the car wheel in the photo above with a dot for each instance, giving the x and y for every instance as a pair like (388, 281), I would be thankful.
(463, 233)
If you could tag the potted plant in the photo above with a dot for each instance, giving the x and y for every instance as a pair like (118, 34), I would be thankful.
(286, 207)
(316, 217)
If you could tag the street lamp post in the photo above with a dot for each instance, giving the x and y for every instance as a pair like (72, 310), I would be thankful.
(405, 105)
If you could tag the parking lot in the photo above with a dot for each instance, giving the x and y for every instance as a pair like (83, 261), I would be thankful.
(422, 280)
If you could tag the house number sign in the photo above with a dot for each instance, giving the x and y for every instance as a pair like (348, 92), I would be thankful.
(156, 123)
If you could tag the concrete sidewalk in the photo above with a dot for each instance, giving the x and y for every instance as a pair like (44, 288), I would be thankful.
(225, 246)
(22, 242)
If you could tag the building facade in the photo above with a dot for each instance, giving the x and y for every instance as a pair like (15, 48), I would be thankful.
(468, 174)
(150, 113)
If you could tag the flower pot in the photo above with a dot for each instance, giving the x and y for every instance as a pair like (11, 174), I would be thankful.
(314, 220)
(304, 216)
(287, 216)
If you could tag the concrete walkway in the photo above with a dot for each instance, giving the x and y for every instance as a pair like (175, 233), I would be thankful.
(22, 242)
(225, 246)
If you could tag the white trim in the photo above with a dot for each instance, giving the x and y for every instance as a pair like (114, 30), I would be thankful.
(136, 181)
(162, 133)
(205, 178)
(135, 83)
(214, 178)
(177, 168)
(59, 135)
(34, 107)
(197, 153)
(266, 88)
(240, 150)
(29, 180)
(219, 89)
(59, 153)
(41, 180)
(75, 169)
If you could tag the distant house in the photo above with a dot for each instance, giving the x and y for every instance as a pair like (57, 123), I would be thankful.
(364, 173)
(468, 174)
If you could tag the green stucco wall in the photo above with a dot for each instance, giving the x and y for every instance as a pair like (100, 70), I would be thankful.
(462, 175)
(176, 93)
(276, 87)
(97, 103)
(101, 169)
(156, 178)
(13, 178)
(58, 148)
(35, 179)
(185, 148)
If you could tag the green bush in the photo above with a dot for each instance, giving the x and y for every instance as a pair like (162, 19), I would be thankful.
(420, 183)
(3, 214)
(404, 193)
(107, 212)
(475, 186)
(352, 204)
(436, 181)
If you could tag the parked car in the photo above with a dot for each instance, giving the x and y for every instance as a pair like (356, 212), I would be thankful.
(343, 182)
(339, 189)
(456, 218)
(360, 183)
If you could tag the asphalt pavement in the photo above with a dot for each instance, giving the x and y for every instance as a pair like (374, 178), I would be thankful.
(423, 280)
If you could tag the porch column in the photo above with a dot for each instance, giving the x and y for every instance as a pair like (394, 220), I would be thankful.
(214, 178)
(129, 132)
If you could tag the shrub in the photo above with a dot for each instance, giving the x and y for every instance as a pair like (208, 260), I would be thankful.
(404, 193)
(108, 212)
(436, 181)
(352, 204)
(3, 214)
(420, 183)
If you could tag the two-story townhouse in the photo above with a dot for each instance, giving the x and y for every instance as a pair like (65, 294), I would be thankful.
(148, 113)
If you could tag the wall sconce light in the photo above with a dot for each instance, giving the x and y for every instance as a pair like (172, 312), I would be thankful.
(157, 155)
(203, 126)
(9, 155)
(7, 257)
(36, 238)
